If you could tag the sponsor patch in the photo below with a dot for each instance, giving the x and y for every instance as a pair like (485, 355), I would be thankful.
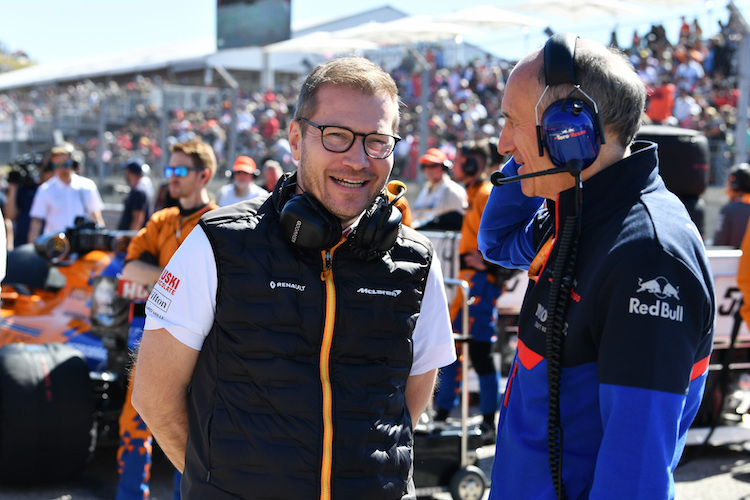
(371, 291)
(284, 284)
(663, 290)
(169, 282)
(159, 301)
(658, 286)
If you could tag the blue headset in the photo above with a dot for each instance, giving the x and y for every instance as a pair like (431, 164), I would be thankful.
(570, 128)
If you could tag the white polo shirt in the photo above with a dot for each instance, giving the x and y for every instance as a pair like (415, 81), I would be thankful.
(192, 306)
(58, 204)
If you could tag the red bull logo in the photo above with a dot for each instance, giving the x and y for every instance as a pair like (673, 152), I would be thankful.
(659, 287)
(662, 289)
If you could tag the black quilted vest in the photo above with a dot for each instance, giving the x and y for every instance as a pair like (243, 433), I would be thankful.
(258, 426)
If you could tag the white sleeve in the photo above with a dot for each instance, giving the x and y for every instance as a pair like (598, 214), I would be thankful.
(433, 334)
(95, 199)
(183, 300)
(39, 204)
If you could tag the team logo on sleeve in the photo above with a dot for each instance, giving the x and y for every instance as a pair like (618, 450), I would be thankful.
(158, 300)
(664, 293)
(168, 282)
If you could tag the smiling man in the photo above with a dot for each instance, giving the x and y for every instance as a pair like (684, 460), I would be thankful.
(308, 324)
(616, 328)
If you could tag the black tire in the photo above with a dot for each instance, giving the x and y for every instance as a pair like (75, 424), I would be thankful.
(46, 413)
(683, 158)
(468, 483)
(696, 207)
(26, 267)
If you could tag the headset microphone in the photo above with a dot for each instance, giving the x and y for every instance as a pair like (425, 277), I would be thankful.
(572, 167)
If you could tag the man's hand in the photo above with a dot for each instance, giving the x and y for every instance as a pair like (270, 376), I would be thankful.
(474, 260)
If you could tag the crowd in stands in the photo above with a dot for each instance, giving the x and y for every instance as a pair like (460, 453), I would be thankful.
(692, 83)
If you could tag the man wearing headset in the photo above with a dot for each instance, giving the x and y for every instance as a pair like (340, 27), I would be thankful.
(191, 166)
(292, 342)
(616, 329)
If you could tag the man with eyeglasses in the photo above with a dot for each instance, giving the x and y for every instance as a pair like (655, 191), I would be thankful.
(308, 324)
(192, 164)
(64, 197)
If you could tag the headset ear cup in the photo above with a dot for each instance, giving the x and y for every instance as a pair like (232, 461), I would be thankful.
(569, 132)
(308, 224)
(377, 230)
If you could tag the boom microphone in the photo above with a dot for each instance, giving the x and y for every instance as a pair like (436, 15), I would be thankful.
(499, 179)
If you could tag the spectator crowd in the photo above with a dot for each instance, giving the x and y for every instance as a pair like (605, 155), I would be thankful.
(692, 83)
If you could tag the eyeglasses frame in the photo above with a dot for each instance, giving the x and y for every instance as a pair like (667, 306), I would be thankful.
(354, 138)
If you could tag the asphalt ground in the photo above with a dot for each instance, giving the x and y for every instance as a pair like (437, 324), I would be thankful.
(718, 473)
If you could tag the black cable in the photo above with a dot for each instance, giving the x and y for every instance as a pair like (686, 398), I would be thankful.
(562, 282)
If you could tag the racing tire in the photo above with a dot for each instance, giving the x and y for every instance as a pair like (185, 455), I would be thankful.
(683, 158)
(468, 483)
(46, 413)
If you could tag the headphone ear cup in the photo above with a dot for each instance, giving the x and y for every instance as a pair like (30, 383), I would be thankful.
(569, 132)
(308, 224)
(377, 230)
(470, 166)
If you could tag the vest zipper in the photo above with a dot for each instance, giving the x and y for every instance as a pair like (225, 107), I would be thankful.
(326, 469)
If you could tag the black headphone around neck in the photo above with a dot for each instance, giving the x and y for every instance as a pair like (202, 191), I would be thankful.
(570, 128)
(306, 223)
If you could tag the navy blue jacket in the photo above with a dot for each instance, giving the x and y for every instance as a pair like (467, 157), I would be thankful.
(639, 330)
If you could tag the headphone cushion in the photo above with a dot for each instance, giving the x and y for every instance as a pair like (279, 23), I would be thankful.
(307, 224)
(377, 230)
(570, 133)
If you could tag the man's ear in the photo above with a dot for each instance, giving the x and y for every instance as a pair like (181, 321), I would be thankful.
(295, 139)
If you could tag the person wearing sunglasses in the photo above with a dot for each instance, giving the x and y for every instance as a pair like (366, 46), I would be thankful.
(192, 164)
(64, 197)
(308, 324)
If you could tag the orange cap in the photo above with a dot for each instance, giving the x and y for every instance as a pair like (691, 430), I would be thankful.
(244, 164)
(436, 156)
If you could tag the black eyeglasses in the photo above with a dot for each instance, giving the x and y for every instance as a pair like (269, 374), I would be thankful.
(179, 171)
(338, 139)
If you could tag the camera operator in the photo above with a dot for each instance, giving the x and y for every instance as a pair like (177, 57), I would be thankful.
(65, 196)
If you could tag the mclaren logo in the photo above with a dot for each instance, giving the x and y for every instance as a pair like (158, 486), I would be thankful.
(370, 291)
(283, 284)
(662, 289)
